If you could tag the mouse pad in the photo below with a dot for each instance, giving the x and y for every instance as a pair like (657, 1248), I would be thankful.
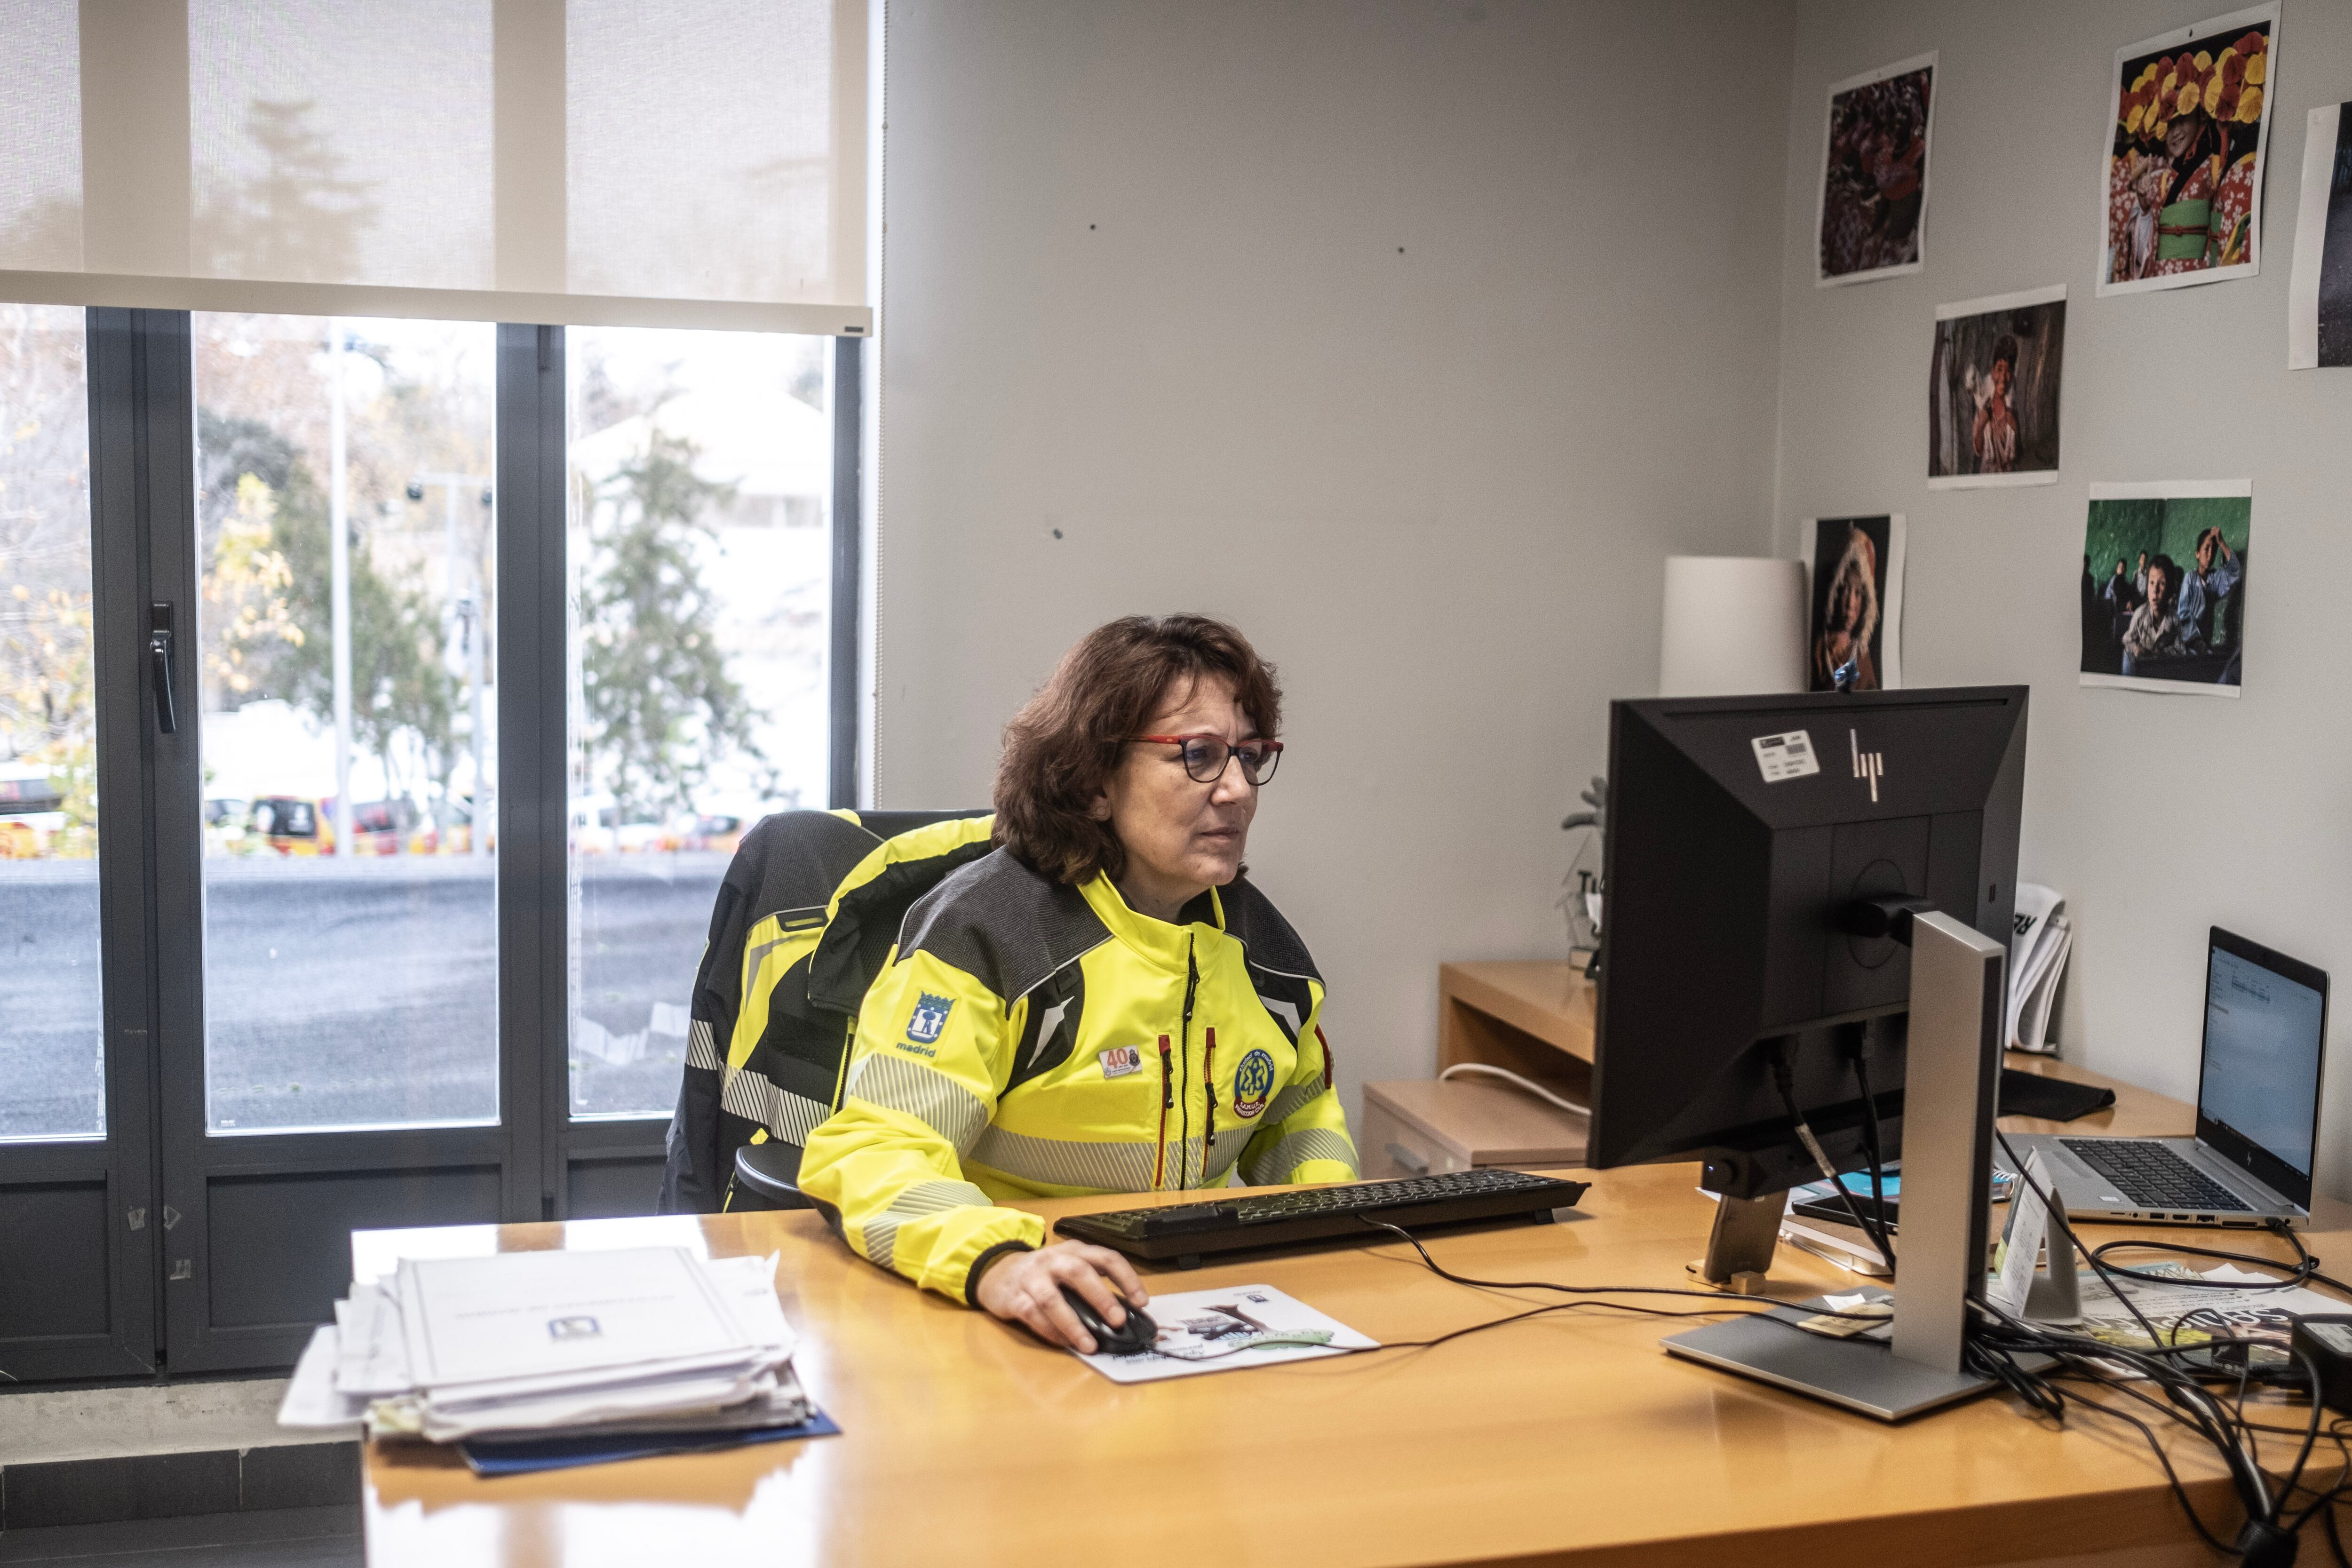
(1227, 1330)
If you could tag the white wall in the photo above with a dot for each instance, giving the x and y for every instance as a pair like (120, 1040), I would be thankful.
(1412, 337)
(2159, 816)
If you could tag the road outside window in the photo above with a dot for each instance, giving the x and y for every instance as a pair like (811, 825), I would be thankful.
(700, 485)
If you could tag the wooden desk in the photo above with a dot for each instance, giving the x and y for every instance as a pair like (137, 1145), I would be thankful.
(1567, 1440)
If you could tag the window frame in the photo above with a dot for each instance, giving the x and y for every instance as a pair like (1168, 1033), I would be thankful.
(177, 1280)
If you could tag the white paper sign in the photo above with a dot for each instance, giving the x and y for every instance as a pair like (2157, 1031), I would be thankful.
(1789, 756)
(2021, 1240)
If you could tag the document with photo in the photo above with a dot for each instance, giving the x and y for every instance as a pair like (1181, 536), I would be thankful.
(1222, 1330)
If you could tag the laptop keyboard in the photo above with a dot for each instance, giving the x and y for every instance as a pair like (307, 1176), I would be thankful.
(2151, 1176)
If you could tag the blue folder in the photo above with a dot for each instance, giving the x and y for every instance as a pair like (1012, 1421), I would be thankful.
(527, 1456)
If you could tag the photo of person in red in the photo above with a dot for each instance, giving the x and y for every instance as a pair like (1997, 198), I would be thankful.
(2184, 166)
(1874, 184)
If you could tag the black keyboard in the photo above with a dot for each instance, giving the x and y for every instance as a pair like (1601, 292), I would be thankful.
(1187, 1232)
(2151, 1176)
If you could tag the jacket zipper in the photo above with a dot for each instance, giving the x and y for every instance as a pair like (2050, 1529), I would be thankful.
(1167, 1100)
(1209, 1081)
(1185, 1042)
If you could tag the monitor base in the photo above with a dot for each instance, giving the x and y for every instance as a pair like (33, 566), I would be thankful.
(1861, 1375)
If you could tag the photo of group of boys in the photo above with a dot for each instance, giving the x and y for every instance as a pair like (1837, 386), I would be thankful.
(2164, 589)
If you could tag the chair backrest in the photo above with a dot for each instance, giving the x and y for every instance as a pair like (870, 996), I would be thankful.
(809, 893)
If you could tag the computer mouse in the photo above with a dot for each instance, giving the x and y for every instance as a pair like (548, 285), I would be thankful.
(1132, 1337)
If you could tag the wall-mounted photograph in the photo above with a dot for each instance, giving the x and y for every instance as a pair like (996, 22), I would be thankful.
(2164, 586)
(1853, 631)
(2182, 169)
(1992, 391)
(1874, 205)
(2320, 294)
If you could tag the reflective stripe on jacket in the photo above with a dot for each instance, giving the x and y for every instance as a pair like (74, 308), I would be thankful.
(1034, 1039)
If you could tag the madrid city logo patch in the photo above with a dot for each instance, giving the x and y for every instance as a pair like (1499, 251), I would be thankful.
(1252, 1084)
(930, 1016)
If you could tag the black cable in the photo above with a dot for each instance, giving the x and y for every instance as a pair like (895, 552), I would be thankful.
(2190, 1402)
(2052, 1399)
(2311, 1436)
(1869, 1128)
(2057, 1213)
(2179, 1492)
(1727, 1303)
(2304, 1269)
(1535, 1312)
(1783, 1080)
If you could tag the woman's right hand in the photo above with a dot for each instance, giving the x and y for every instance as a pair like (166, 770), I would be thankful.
(1026, 1287)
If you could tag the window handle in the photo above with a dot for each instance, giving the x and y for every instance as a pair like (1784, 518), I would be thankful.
(159, 661)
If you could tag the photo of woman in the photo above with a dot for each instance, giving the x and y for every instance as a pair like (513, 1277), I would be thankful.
(1857, 565)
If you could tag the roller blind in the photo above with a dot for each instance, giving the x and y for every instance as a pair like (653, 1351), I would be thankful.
(633, 162)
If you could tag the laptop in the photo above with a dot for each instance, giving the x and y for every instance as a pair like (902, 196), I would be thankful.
(2257, 1110)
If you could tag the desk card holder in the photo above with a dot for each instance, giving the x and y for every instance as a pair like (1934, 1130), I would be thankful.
(1951, 1078)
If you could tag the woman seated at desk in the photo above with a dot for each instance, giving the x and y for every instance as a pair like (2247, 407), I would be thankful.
(1103, 1004)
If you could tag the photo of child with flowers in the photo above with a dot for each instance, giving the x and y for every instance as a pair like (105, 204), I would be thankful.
(2184, 160)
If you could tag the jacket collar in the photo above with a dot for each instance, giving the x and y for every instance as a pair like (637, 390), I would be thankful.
(1159, 941)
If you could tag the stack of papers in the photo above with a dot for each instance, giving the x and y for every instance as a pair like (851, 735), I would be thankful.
(2040, 940)
(648, 1340)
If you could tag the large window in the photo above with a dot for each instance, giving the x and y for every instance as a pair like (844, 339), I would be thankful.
(418, 679)
(345, 528)
(51, 1045)
(701, 479)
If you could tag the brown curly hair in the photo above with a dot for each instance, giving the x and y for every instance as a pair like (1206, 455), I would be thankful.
(1064, 743)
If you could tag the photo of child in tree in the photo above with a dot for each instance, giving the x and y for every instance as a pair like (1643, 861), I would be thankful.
(2164, 590)
(1992, 391)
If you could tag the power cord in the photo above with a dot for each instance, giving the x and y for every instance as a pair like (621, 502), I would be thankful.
(1870, 1129)
(1723, 1304)
(1785, 1081)
(2305, 1267)
(1529, 1084)
(2263, 1542)
(2270, 1535)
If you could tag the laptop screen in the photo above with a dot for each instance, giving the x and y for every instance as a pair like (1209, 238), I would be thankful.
(2260, 1081)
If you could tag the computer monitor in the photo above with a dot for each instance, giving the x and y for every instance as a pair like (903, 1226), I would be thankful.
(1776, 869)
(1741, 832)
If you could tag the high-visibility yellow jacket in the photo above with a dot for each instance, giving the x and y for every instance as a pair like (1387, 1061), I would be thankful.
(1032, 1038)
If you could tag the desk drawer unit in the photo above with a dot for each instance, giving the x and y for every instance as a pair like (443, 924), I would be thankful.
(1426, 1127)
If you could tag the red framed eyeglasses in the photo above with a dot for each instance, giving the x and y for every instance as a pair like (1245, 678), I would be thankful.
(1205, 755)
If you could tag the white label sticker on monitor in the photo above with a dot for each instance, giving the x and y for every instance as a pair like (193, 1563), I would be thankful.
(2335, 1336)
(1789, 756)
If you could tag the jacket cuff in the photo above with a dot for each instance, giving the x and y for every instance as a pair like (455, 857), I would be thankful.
(980, 1265)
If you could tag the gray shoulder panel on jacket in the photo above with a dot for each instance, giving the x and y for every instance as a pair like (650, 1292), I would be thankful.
(1252, 919)
(1003, 924)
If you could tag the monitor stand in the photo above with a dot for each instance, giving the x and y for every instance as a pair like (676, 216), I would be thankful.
(1951, 1075)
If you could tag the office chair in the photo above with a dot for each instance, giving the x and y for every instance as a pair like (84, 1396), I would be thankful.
(804, 919)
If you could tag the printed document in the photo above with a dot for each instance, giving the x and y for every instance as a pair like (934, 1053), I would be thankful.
(524, 1315)
(1222, 1331)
